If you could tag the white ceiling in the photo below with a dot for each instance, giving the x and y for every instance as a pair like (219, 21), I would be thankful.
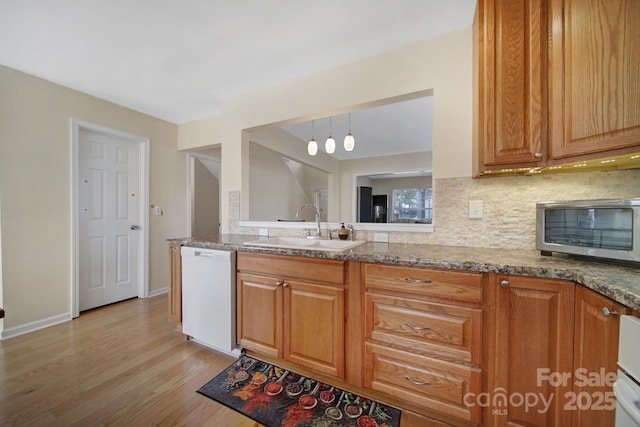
(402, 127)
(178, 60)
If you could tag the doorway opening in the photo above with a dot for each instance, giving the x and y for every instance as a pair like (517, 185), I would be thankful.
(203, 181)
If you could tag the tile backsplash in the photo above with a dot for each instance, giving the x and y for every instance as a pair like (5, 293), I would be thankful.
(508, 207)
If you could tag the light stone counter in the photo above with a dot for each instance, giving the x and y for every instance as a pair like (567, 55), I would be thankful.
(620, 282)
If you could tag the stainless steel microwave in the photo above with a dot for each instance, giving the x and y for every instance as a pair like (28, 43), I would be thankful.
(599, 228)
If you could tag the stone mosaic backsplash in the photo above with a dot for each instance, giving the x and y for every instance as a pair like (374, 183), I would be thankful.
(508, 207)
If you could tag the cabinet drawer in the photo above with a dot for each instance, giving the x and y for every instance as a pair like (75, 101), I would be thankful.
(424, 381)
(441, 330)
(451, 285)
(323, 270)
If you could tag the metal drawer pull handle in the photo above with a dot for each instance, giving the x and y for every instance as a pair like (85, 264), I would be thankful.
(608, 312)
(408, 378)
(412, 280)
(417, 328)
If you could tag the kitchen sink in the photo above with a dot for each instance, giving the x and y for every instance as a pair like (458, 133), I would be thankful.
(302, 243)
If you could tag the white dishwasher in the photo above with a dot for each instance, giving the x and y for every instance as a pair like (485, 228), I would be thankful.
(209, 297)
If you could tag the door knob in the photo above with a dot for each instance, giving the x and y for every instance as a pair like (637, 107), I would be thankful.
(135, 227)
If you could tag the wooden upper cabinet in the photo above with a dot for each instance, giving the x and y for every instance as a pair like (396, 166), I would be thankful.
(594, 77)
(557, 82)
(511, 51)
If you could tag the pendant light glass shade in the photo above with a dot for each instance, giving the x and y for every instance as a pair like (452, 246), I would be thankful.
(312, 146)
(349, 140)
(330, 143)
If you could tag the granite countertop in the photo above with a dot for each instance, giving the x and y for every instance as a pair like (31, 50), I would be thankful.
(620, 282)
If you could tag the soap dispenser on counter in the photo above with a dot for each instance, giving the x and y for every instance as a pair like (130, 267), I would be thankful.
(343, 233)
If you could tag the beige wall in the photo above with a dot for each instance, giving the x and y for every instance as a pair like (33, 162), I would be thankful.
(442, 64)
(36, 198)
(275, 193)
(206, 201)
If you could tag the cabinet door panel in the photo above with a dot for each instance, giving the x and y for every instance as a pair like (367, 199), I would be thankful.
(425, 381)
(314, 327)
(260, 314)
(594, 79)
(512, 49)
(595, 354)
(441, 330)
(534, 327)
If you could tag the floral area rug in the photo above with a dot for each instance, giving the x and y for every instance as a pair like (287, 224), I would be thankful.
(276, 397)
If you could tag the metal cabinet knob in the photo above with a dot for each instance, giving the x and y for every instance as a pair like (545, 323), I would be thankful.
(504, 283)
(135, 227)
(279, 282)
(608, 312)
(538, 155)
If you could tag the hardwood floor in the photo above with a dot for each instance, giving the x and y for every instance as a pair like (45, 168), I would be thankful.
(121, 365)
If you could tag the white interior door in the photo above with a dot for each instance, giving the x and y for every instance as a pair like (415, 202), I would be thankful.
(108, 219)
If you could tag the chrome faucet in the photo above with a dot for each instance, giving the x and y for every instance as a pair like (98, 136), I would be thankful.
(351, 232)
(318, 234)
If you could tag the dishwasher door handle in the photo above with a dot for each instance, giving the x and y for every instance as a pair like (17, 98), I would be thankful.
(204, 254)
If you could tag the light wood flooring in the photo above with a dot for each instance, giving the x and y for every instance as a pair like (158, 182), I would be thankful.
(121, 365)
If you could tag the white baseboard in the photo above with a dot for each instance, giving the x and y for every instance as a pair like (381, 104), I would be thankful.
(34, 326)
(54, 320)
(157, 292)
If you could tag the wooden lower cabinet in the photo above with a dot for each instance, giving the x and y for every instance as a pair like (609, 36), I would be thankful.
(314, 326)
(529, 342)
(175, 284)
(293, 318)
(260, 314)
(444, 331)
(464, 348)
(425, 381)
(595, 357)
(423, 330)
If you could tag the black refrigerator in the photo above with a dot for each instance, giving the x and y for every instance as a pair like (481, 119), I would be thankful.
(365, 204)
(371, 208)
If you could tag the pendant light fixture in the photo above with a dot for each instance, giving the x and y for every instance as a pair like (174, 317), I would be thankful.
(312, 146)
(349, 140)
(330, 143)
